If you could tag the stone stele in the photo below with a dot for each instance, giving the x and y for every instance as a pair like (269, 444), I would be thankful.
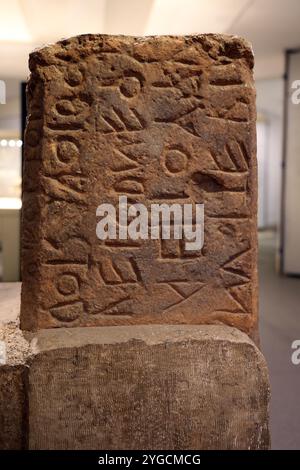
(159, 120)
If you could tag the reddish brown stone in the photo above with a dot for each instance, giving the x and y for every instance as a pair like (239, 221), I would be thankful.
(160, 119)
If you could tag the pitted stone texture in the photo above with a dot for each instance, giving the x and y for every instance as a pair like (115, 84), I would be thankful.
(160, 120)
(147, 387)
(13, 343)
(13, 427)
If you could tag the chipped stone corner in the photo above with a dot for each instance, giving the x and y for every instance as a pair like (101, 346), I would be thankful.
(14, 347)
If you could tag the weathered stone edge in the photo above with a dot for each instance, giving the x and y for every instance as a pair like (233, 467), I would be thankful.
(237, 42)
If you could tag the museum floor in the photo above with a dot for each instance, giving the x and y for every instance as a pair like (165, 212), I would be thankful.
(279, 327)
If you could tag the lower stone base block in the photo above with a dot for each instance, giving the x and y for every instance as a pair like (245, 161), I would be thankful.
(13, 423)
(147, 387)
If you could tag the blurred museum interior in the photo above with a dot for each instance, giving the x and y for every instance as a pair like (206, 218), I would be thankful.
(272, 26)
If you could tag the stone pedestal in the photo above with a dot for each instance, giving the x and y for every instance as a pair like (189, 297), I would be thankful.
(138, 387)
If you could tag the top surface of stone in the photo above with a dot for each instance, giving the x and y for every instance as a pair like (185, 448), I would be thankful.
(48, 339)
(159, 120)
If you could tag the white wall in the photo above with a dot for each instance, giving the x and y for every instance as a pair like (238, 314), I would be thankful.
(291, 205)
(269, 150)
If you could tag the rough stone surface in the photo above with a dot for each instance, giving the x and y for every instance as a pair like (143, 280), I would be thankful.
(148, 387)
(13, 370)
(13, 428)
(158, 119)
(16, 347)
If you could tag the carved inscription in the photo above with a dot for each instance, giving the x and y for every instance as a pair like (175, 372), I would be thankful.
(158, 120)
